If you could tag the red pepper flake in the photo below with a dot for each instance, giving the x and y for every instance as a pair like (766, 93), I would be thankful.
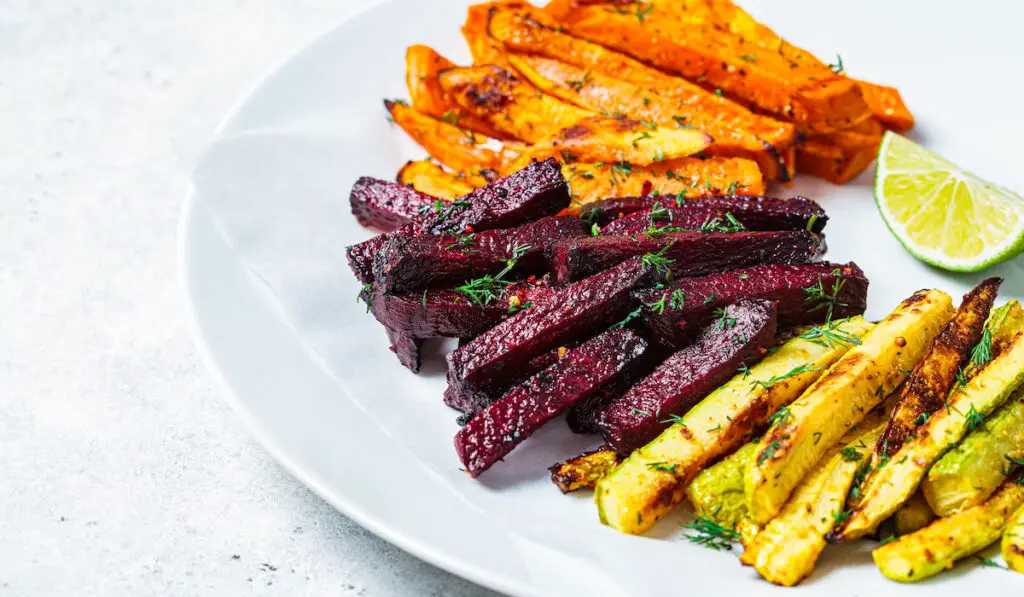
(647, 188)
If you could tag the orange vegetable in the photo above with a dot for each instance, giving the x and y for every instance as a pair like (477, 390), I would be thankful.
(741, 68)
(427, 177)
(455, 147)
(422, 64)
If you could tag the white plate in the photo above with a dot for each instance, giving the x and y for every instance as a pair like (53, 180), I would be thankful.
(261, 261)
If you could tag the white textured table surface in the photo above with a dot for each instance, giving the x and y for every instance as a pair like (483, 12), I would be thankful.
(122, 472)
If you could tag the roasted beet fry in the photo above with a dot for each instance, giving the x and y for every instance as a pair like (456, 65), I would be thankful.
(499, 428)
(686, 253)
(763, 213)
(387, 205)
(738, 333)
(710, 218)
(808, 293)
(449, 314)
(406, 348)
(504, 352)
(407, 264)
(534, 192)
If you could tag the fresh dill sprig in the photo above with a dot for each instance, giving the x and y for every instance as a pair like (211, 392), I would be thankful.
(662, 466)
(850, 454)
(710, 534)
(727, 223)
(838, 67)
(678, 300)
(982, 352)
(823, 298)
(577, 84)
(769, 452)
(366, 295)
(632, 315)
(658, 260)
(974, 419)
(830, 335)
(781, 418)
(658, 306)
(767, 384)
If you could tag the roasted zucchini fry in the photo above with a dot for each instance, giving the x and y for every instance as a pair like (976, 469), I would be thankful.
(936, 547)
(584, 470)
(427, 177)
(453, 146)
(717, 492)
(652, 480)
(926, 389)
(841, 397)
(1013, 541)
(968, 474)
(604, 94)
(785, 551)
(965, 410)
(422, 64)
(508, 104)
(690, 177)
(913, 516)
(816, 101)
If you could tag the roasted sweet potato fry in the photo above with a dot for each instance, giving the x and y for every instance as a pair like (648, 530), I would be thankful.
(482, 47)
(885, 103)
(422, 64)
(692, 177)
(427, 177)
(821, 159)
(742, 69)
(508, 104)
(526, 36)
(731, 132)
(612, 139)
(453, 146)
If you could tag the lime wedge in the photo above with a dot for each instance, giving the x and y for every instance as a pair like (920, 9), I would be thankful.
(943, 214)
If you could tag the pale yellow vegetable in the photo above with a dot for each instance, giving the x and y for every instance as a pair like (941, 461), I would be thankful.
(785, 551)
(717, 492)
(840, 398)
(939, 545)
(651, 482)
(1013, 541)
(897, 480)
(913, 515)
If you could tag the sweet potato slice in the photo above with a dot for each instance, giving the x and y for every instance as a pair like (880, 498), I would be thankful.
(683, 253)
(484, 49)
(687, 376)
(422, 64)
(387, 205)
(686, 177)
(427, 177)
(495, 431)
(721, 60)
(456, 147)
(604, 94)
(824, 160)
(508, 104)
(524, 35)
(885, 103)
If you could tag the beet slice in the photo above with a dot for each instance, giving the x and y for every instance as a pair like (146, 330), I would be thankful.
(803, 295)
(387, 205)
(798, 212)
(536, 191)
(448, 314)
(687, 376)
(503, 353)
(406, 348)
(499, 428)
(407, 264)
(695, 217)
(691, 253)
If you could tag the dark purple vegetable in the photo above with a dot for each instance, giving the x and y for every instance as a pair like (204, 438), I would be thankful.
(686, 377)
(804, 294)
(536, 191)
(448, 314)
(406, 348)
(499, 428)
(407, 264)
(387, 205)
(688, 253)
(798, 213)
(712, 218)
(503, 353)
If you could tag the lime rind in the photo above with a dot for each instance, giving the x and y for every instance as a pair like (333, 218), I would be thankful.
(923, 168)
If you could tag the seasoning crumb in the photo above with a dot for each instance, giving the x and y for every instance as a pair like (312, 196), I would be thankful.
(561, 351)
(901, 341)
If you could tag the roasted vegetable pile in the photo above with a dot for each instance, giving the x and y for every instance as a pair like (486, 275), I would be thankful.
(633, 98)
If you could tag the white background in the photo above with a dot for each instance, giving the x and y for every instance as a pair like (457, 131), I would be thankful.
(122, 472)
